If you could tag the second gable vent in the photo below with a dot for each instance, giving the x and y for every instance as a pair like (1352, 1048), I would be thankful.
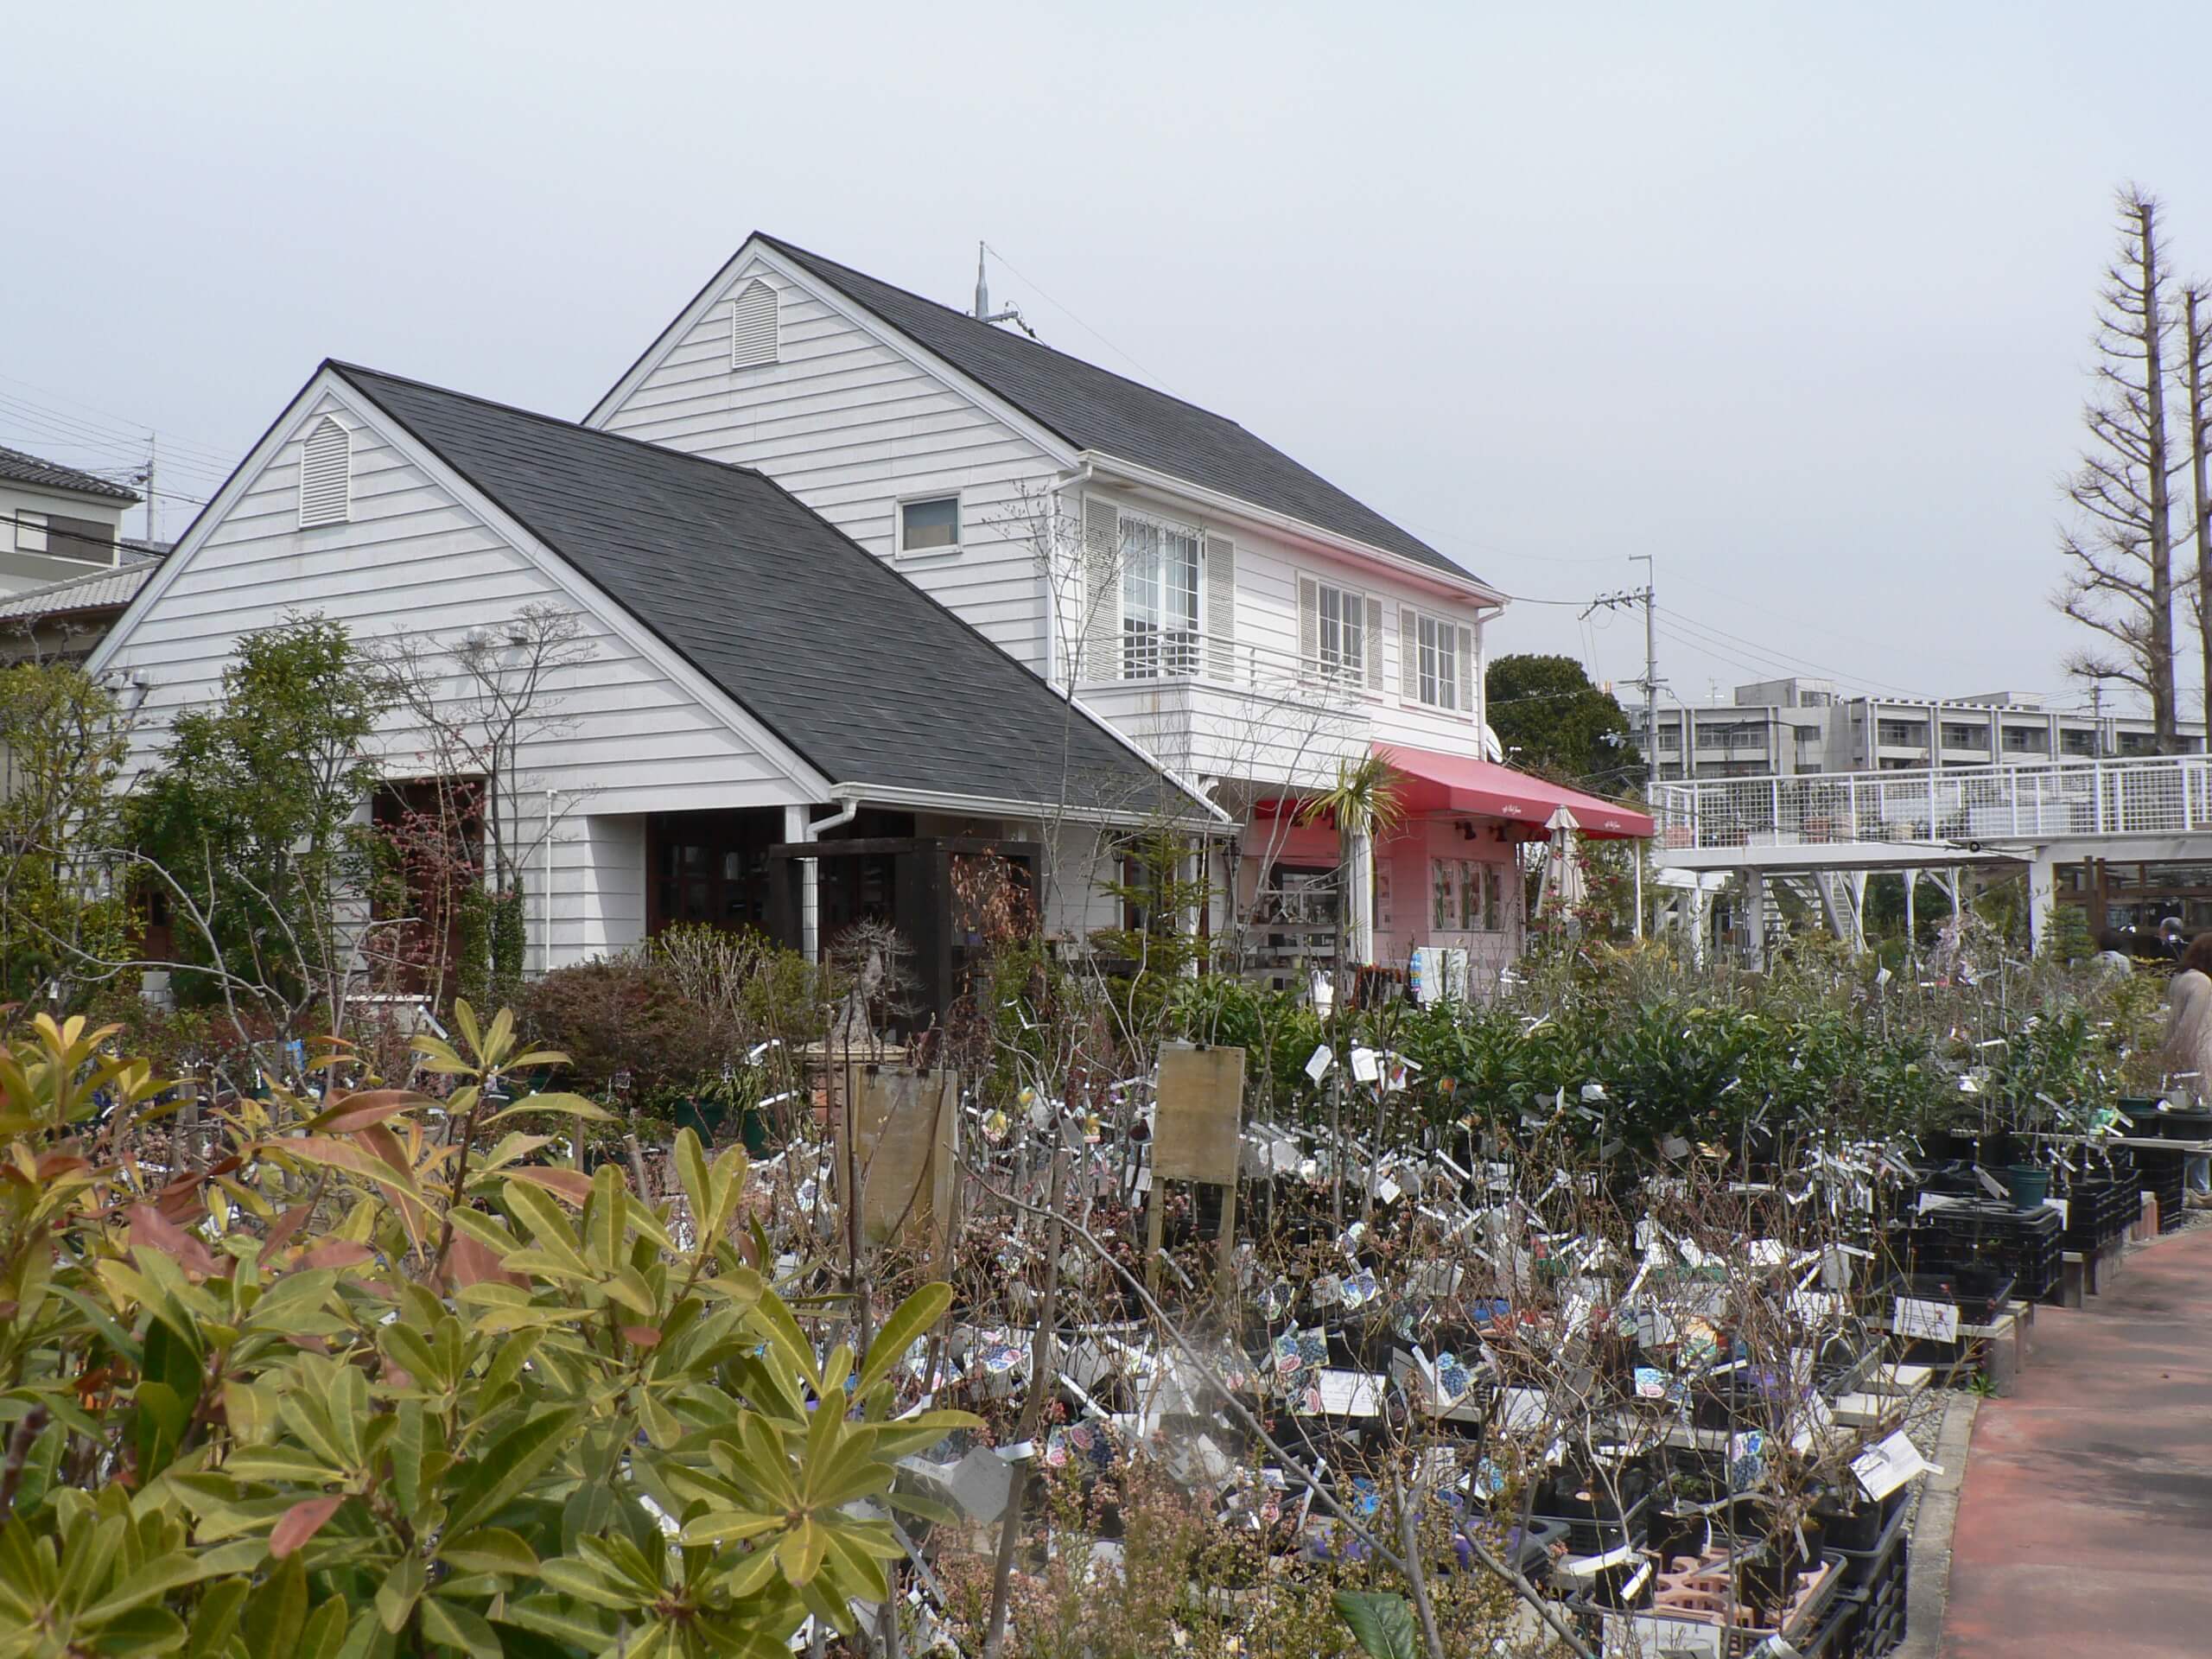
(753, 326)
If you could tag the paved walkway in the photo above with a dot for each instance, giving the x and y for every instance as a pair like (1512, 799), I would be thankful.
(2086, 1523)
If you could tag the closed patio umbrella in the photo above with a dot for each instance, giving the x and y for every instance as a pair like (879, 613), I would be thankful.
(1563, 886)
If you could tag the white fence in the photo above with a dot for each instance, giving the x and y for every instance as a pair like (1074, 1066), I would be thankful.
(2156, 795)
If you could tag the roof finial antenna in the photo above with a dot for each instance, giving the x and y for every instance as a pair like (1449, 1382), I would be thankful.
(983, 312)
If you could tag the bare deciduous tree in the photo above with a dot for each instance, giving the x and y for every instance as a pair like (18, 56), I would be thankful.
(2119, 579)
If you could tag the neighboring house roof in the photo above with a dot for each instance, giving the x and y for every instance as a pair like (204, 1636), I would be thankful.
(871, 681)
(95, 591)
(16, 467)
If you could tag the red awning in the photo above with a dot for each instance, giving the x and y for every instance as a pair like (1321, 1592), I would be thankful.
(1455, 782)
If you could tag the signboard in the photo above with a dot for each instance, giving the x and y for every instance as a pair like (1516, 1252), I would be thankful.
(1195, 1131)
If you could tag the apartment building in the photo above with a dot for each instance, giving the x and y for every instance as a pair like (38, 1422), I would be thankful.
(1782, 728)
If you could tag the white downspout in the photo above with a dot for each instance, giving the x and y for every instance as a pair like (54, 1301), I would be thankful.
(545, 884)
(810, 879)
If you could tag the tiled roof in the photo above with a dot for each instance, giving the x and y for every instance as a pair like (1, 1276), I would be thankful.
(873, 682)
(18, 468)
(97, 590)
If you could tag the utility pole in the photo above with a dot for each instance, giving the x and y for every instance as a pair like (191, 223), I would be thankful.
(152, 439)
(1649, 599)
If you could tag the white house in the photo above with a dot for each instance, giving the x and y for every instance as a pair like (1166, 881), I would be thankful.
(57, 522)
(1248, 623)
(773, 728)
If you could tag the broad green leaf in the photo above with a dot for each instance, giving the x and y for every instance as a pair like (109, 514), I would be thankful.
(216, 1618)
(278, 1610)
(139, 1634)
(502, 1471)
(908, 1321)
(1380, 1623)
(451, 1625)
(401, 1589)
(490, 1549)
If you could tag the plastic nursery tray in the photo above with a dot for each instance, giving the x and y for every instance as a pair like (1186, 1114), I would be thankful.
(1810, 1616)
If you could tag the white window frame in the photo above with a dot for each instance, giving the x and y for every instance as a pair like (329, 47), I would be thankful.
(1429, 658)
(1468, 888)
(1345, 670)
(1172, 652)
(30, 537)
(951, 548)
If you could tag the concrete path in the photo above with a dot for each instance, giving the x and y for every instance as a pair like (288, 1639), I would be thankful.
(2086, 1523)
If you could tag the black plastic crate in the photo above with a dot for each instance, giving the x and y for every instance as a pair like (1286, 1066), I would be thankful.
(1597, 1524)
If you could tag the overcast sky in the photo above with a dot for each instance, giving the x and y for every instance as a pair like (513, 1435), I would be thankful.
(1794, 299)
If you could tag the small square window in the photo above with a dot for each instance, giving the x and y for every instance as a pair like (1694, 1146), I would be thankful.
(926, 525)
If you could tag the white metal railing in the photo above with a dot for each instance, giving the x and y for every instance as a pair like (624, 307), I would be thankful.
(2043, 801)
(1238, 665)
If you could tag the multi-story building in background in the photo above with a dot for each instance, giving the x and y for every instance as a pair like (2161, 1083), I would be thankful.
(1779, 727)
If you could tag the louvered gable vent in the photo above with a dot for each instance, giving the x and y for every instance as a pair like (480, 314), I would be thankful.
(753, 326)
(327, 476)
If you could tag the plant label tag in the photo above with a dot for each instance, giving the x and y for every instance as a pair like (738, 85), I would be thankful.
(1990, 1184)
(1521, 1409)
(1319, 1062)
(1366, 1065)
(1817, 1307)
(1924, 1321)
(1674, 1146)
(2063, 1207)
(1654, 1635)
(1882, 1469)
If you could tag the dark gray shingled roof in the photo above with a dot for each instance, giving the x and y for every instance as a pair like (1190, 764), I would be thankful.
(868, 678)
(1093, 408)
(20, 468)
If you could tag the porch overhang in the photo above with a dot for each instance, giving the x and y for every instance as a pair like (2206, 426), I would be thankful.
(1458, 782)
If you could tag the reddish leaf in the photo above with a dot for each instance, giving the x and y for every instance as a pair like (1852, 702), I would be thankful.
(337, 1253)
(59, 1163)
(382, 1143)
(570, 1185)
(643, 1336)
(149, 1227)
(468, 1263)
(360, 1109)
(300, 1522)
(281, 1229)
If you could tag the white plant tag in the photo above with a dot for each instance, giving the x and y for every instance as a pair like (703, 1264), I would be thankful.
(1882, 1469)
(1319, 1062)
(1924, 1321)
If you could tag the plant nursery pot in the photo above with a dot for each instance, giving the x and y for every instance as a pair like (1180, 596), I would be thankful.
(2029, 1183)
(2186, 1126)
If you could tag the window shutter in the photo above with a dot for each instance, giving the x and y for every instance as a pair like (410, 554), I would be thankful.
(1408, 654)
(1466, 671)
(1373, 645)
(1102, 590)
(1309, 625)
(1221, 607)
(753, 326)
(327, 476)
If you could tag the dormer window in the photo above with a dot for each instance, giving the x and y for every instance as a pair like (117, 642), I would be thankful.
(753, 326)
(327, 476)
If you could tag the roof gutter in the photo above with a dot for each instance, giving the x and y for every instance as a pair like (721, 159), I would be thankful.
(1129, 472)
(937, 801)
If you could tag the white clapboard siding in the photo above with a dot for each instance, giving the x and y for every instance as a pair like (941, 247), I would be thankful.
(411, 558)
(852, 428)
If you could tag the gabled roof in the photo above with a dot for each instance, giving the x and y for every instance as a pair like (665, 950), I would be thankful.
(95, 591)
(1090, 408)
(17, 467)
(870, 680)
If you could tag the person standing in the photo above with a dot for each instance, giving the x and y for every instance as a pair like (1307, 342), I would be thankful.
(2188, 1053)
